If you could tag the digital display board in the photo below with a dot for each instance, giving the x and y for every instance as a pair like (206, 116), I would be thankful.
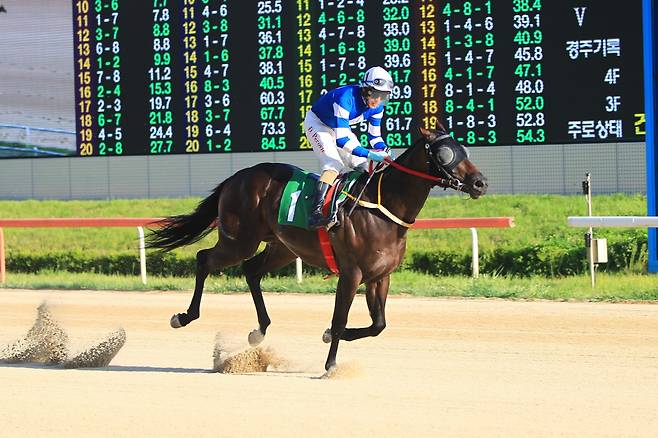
(199, 76)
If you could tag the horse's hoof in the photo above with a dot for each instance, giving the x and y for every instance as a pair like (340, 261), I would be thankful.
(326, 336)
(175, 322)
(255, 337)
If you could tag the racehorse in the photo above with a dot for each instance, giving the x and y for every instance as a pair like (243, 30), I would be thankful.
(368, 244)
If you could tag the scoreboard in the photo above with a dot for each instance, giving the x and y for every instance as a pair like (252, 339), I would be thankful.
(158, 77)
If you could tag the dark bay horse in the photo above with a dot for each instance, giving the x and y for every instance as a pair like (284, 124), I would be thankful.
(368, 245)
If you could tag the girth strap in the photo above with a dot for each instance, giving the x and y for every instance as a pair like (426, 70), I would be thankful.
(327, 250)
(323, 236)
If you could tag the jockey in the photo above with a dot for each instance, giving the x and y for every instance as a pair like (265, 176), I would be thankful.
(327, 126)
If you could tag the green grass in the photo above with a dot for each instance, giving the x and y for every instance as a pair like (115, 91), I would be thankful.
(537, 217)
(27, 150)
(619, 287)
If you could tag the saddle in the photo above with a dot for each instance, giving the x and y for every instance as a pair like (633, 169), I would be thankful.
(295, 206)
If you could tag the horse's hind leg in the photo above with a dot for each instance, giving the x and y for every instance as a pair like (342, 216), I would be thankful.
(273, 257)
(224, 254)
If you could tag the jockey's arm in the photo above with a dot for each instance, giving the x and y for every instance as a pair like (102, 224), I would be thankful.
(345, 138)
(375, 131)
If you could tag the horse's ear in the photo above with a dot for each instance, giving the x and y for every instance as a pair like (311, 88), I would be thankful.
(426, 133)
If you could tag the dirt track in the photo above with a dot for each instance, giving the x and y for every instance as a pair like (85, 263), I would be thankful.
(441, 368)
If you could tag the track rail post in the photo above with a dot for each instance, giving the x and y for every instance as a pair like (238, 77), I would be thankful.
(298, 269)
(589, 236)
(476, 253)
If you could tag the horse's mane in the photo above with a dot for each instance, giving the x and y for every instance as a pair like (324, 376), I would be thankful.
(408, 149)
(441, 130)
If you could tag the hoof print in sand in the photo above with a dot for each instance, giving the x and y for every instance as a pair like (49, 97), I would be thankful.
(47, 343)
(252, 360)
(101, 354)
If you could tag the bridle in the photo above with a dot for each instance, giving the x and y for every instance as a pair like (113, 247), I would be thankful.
(446, 180)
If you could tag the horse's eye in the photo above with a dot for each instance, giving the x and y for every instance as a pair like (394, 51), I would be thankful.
(446, 155)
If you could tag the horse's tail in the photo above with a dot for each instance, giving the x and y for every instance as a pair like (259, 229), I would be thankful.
(177, 231)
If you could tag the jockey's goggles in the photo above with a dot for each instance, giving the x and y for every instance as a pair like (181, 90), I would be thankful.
(385, 83)
(380, 84)
(377, 94)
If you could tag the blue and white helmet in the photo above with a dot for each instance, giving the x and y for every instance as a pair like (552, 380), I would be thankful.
(377, 83)
(377, 78)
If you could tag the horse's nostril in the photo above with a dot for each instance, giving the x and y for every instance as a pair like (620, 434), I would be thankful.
(479, 184)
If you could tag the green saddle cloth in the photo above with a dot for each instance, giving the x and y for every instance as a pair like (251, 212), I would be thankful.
(297, 198)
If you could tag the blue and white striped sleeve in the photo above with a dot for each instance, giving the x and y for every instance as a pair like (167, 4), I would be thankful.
(345, 138)
(375, 130)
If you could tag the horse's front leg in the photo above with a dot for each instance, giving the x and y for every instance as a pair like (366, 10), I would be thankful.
(273, 257)
(376, 293)
(345, 291)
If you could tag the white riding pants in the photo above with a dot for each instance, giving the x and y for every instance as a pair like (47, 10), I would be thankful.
(323, 141)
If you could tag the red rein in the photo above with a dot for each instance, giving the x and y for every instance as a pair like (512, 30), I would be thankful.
(417, 173)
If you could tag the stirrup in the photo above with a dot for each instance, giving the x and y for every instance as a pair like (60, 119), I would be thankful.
(333, 221)
(317, 222)
(327, 222)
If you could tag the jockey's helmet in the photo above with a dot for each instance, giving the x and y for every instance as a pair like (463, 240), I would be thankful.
(377, 82)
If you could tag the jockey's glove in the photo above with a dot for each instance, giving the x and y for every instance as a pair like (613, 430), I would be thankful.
(378, 156)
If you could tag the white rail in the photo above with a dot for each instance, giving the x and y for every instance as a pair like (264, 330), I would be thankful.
(28, 129)
(613, 221)
(37, 150)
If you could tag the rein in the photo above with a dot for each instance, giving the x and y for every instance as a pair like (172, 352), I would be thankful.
(447, 183)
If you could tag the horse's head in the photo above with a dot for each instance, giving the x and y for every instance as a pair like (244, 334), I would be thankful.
(450, 160)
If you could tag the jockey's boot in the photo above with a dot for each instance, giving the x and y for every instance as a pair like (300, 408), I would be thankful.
(316, 219)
